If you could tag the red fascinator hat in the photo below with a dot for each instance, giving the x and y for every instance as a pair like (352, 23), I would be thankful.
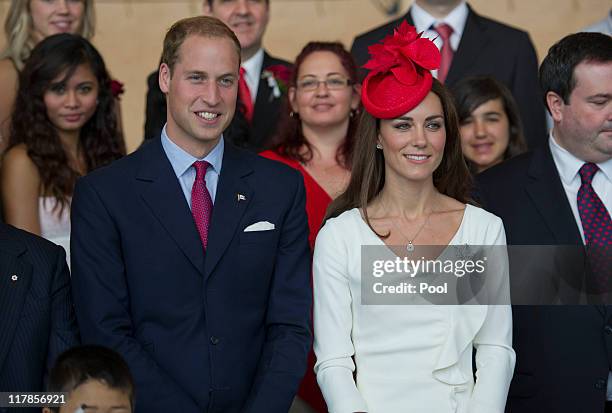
(399, 77)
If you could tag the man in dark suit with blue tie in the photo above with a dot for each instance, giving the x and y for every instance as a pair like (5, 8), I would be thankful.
(37, 321)
(190, 256)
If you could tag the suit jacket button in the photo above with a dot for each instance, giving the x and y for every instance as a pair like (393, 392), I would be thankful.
(608, 330)
(601, 384)
(214, 340)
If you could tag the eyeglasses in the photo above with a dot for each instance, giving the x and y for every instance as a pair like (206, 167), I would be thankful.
(310, 84)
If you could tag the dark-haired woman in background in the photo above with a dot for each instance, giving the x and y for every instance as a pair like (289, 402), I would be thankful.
(491, 127)
(27, 23)
(64, 125)
(316, 134)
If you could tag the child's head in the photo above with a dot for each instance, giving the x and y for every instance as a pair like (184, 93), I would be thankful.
(96, 380)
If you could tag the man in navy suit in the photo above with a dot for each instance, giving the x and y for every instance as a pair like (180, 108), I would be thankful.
(190, 256)
(248, 19)
(563, 352)
(37, 321)
(480, 46)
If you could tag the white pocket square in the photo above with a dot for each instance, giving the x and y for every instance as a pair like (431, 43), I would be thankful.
(260, 226)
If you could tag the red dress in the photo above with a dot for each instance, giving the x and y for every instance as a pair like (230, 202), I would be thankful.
(317, 201)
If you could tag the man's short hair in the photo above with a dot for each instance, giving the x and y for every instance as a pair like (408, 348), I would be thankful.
(557, 69)
(80, 364)
(204, 26)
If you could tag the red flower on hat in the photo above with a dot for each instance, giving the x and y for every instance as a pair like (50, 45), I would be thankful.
(402, 53)
(399, 77)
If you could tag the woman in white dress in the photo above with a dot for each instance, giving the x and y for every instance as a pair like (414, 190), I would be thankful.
(409, 187)
(63, 126)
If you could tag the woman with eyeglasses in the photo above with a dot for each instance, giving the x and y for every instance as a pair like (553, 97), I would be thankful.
(315, 136)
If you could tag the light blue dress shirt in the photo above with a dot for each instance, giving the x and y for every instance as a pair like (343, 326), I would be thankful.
(182, 164)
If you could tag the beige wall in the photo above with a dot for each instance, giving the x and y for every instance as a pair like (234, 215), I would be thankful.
(130, 32)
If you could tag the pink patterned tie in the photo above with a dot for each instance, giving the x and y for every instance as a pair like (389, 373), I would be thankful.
(446, 52)
(201, 202)
(597, 228)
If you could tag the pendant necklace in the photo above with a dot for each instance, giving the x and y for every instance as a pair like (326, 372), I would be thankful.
(410, 245)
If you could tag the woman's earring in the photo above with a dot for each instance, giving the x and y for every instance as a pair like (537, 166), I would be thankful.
(378, 146)
(293, 114)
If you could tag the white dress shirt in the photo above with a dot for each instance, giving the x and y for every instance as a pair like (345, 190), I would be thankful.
(568, 166)
(425, 22)
(182, 164)
(253, 68)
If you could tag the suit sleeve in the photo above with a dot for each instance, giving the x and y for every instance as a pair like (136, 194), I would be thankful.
(101, 297)
(288, 335)
(64, 333)
(495, 358)
(155, 113)
(526, 90)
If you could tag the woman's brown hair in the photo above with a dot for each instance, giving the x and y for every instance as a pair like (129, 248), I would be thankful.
(451, 178)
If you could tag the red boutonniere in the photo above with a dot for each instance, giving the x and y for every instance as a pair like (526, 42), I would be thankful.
(401, 54)
(278, 78)
(117, 89)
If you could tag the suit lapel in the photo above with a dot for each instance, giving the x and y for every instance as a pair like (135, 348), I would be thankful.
(473, 40)
(264, 102)
(228, 208)
(162, 193)
(15, 280)
(548, 195)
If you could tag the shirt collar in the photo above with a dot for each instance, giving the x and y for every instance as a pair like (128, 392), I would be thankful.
(568, 165)
(181, 160)
(456, 19)
(252, 66)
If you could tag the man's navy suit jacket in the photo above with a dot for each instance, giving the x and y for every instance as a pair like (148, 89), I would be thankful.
(226, 330)
(563, 352)
(491, 48)
(37, 321)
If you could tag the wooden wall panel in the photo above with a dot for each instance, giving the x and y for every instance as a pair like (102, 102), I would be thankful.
(130, 32)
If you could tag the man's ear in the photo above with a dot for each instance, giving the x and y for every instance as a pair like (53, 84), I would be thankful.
(555, 105)
(164, 77)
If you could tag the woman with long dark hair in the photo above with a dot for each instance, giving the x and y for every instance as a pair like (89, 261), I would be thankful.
(27, 23)
(64, 126)
(490, 122)
(408, 198)
(316, 136)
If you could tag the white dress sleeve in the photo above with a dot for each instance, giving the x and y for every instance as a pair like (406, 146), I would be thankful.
(333, 321)
(495, 357)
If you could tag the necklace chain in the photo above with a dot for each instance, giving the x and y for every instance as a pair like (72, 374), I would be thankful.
(410, 245)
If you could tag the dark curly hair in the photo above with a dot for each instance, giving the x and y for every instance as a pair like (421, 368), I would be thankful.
(100, 140)
(289, 141)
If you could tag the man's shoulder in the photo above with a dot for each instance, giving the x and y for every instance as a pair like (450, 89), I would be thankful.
(271, 171)
(497, 28)
(16, 241)
(512, 170)
(270, 60)
(119, 171)
(374, 35)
